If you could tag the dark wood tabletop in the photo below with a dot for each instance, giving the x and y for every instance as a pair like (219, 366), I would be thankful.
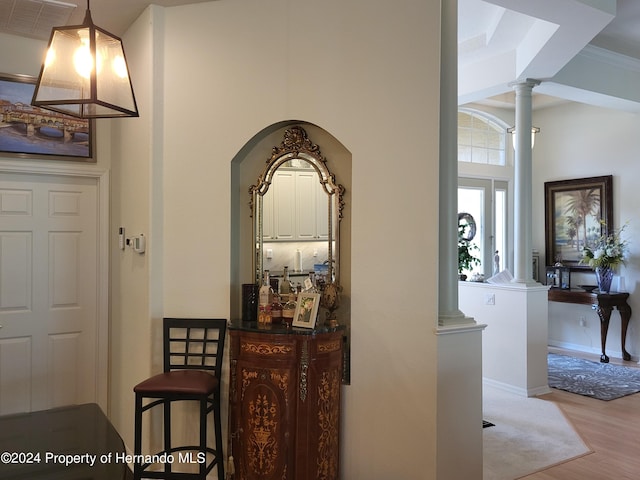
(68, 443)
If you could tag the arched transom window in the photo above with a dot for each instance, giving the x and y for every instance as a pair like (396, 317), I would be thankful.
(480, 139)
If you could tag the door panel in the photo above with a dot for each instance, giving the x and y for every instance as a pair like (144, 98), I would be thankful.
(15, 271)
(48, 291)
(15, 374)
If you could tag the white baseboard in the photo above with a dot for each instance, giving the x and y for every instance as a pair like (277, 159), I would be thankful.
(522, 392)
(591, 350)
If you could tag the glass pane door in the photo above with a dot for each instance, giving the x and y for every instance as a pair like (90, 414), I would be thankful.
(486, 201)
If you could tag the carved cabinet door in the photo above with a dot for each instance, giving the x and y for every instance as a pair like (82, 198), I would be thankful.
(318, 424)
(285, 405)
(263, 413)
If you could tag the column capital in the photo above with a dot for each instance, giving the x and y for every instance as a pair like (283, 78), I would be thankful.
(527, 83)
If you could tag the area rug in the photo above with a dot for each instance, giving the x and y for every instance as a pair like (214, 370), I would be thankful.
(530, 434)
(603, 381)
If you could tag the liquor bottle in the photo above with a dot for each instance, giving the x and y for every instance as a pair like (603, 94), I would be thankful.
(289, 310)
(285, 286)
(276, 309)
(265, 291)
(264, 314)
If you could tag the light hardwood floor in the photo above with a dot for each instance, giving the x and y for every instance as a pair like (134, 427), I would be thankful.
(610, 429)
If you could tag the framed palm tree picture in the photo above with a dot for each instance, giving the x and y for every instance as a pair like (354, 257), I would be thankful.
(577, 213)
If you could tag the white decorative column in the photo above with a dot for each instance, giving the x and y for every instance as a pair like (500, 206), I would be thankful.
(523, 199)
(459, 338)
(448, 312)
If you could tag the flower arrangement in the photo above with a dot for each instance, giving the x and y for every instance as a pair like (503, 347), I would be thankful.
(607, 251)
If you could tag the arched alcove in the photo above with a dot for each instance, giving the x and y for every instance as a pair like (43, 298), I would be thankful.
(246, 167)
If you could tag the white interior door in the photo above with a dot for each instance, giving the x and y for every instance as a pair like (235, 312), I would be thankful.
(48, 291)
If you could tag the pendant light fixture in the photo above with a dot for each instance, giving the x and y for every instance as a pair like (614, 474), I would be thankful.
(534, 132)
(85, 74)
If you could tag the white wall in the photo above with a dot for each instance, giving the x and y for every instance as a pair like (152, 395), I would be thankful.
(514, 344)
(136, 201)
(21, 56)
(365, 73)
(578, 141)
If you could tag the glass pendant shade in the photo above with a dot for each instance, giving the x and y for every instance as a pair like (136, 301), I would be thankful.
(514, 142)
(85, 74)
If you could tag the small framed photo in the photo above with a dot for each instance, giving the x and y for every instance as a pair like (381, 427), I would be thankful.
(306, 310)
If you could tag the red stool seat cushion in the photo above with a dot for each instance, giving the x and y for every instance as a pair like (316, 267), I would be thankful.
(178, 382)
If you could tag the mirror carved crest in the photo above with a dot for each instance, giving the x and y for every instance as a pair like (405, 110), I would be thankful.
(296, 144)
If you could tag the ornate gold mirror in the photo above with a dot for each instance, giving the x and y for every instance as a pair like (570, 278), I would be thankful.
(296, 206)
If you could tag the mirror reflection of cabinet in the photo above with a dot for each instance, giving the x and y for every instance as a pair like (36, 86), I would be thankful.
(295, 207)
(281, 198)
(297, 199)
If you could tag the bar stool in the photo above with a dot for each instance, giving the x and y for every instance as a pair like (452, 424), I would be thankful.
(193, 350)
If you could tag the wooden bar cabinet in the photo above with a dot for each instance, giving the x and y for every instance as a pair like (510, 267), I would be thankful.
(285, 401)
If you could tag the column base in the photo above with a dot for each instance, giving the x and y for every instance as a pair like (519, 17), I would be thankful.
(454, 318)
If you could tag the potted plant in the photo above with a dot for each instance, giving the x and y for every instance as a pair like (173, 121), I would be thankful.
(606, 253)
(466, 259)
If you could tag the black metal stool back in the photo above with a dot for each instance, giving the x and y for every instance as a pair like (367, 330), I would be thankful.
(193, 351)
(195, 344)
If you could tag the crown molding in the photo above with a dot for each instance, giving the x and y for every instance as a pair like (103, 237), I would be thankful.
(614, 59)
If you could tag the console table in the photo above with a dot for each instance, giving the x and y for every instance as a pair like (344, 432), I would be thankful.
(603, 304)
(285, 401)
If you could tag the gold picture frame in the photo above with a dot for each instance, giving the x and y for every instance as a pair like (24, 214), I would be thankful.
(306, 310)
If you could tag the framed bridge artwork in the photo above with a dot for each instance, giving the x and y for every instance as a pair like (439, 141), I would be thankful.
(31, 132)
